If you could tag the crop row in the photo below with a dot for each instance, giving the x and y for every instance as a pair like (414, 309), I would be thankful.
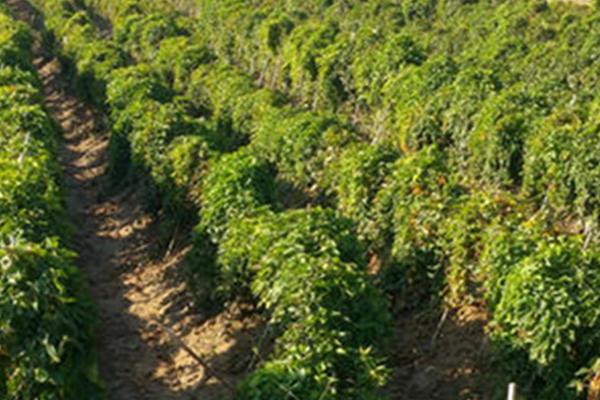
(463, 145)
(433, 232)
(406, 74)
(304, 266)
(461, 158)
(45, 316)
(431, 228)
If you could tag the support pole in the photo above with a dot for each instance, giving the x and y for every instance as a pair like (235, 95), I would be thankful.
(512, 391)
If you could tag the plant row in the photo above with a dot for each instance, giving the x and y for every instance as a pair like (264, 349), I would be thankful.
(305, 267)
(87, 59)
(433, 198)
(45, 315)
(433, 232)
(427, 202)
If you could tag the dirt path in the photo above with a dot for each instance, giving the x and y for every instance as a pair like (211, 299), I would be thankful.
(130, 283)
(443, 358)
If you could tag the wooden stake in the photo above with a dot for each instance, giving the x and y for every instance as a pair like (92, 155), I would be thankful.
(512, 391)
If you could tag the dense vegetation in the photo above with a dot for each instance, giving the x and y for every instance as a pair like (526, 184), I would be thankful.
(471, 160)
(154, 131)
(454, 142)
(45, 325)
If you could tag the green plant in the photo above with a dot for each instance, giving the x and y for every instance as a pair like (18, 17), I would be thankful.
(546, 306)
(45, 317)
(237, 185)
(355, 177)
(44, 324)
(300, 143)
(304, 267)
(409, 213)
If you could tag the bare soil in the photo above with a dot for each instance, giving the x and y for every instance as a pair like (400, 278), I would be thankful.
(133, 283)
(443, 358)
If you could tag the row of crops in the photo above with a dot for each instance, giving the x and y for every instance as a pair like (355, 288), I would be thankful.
(471, 165)
(304, 266)
(45, 323)
(451, 143)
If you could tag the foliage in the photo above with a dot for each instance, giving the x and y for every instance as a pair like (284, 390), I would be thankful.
(130, 91)
(230, 99)
(177, 57)
(44, 323)
(561, 169)
(236, 186)
(355, 177)
(188, 158)
(410, 210)
(141, 34)
(458, 136)
(303, 266)
(15, 43)
(87, 58)
(45, 317)
(543, 292)
(133, 83)
(463, 238)
(300, 143)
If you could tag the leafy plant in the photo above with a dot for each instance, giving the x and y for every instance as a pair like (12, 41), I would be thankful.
(45, 317)
(237, 185)
(546, 306)
(301, 267)
(409, 213)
